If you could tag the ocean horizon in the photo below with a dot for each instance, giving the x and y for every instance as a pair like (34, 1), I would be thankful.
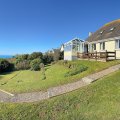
(6, 56)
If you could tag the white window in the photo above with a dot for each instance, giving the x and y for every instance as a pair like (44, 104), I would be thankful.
(101, 32)
(90, 47)
(102, 46)
(117, 44)
(94, 46)
(112, 28)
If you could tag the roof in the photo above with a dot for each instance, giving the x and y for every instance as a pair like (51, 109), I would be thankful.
(75, 39)
(109, 30)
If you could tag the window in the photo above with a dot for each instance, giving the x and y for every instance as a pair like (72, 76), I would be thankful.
(112, 28)
(101, 32)
(117, 44)
(102, 46)
(93, 46)
(68, 47)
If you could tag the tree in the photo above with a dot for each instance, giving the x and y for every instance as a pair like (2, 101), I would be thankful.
(22, 62)
(61, 55)
(35, 55)
(23, 65)
(35, 64)
(48, 58)
(56, 55)
(25, 56)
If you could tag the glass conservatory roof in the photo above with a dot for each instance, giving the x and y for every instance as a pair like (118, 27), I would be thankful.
(74, 41)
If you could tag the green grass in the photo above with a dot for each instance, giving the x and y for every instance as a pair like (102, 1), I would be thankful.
(98, 101)
(28, 81)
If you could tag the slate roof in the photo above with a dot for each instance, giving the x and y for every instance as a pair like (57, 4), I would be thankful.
(109, 30)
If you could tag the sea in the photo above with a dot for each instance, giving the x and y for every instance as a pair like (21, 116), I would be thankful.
(6, 56)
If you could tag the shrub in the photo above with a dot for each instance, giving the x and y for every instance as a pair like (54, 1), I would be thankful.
(76, 70)
(21, 58)
(23, 65)
(35, 55)
(5, 66)
(35, 64)
(47, 58)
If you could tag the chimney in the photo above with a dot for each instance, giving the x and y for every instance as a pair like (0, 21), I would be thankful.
(90, 33)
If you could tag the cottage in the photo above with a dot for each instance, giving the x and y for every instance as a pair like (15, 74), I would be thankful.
(102, 44)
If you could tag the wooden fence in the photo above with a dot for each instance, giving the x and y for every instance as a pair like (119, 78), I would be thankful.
(104, 56)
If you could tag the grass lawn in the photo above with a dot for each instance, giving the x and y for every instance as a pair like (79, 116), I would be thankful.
(28, 81)
(98, 101)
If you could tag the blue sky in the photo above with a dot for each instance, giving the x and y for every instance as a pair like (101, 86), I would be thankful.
(39, 25)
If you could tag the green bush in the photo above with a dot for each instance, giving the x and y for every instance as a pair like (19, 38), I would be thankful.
(67, 64)
(35, 55)
(48, 58)
(35, 64)
(5, 66)
(76, 70)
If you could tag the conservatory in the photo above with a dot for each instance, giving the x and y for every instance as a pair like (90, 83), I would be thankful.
(72, 47)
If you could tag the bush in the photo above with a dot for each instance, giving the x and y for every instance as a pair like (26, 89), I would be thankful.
(21, 58)
(35, 55)
(23, 65)
(35, 64)
(76, 70)
(48, 58)
(5, 66)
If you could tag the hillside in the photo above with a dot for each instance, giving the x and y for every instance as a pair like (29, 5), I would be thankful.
(98, 101)
(30, 81)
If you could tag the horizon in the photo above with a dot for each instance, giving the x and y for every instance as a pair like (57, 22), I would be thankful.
(38, 26)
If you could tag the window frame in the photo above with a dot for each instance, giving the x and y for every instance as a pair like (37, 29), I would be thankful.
(102, 45)
(94, 46)
(117, 44)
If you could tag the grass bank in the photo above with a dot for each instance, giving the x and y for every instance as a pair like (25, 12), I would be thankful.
(98, 101)
(29, 81)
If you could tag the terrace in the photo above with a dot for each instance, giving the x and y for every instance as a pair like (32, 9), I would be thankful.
(98, 56)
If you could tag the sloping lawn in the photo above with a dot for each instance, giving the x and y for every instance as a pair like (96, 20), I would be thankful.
(98, 101)
(28, 81)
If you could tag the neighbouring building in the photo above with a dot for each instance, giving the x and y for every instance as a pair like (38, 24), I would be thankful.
(107, 38)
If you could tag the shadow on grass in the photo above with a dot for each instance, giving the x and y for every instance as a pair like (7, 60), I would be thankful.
(5, 73)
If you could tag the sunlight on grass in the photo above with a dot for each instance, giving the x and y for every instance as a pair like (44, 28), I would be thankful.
(28, 81)
(98, 101)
